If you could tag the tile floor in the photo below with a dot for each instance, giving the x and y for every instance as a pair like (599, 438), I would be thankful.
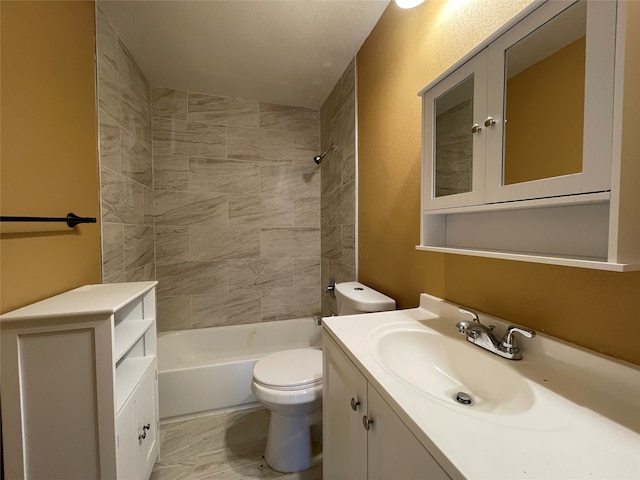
(222, 446)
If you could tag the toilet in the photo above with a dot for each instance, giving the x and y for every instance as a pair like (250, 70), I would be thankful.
(289, 384)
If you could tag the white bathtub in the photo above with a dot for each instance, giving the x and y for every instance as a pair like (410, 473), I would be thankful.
(208, 369)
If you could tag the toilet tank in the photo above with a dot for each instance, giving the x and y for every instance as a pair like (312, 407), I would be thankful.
(354, 297)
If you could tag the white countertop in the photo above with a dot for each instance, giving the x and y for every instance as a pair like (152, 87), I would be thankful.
(86, 300)
(583, 423)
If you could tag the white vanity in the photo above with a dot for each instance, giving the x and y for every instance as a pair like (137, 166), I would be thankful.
(392, 403)
(523, 142)
(79, 385)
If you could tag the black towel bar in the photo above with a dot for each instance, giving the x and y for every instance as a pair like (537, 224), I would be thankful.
(71, 219)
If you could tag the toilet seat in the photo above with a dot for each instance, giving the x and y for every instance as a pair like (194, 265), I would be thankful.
(296, 369)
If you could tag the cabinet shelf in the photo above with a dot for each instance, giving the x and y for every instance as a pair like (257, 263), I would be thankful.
(566, 200)
(562, 260)
(127, 333)
(128, 375)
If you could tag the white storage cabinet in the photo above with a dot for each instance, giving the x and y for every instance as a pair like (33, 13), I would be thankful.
(574, 201)
(79, 385)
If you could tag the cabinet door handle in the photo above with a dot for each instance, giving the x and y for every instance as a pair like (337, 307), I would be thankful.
(142, 436)
(146, 427)
(366, 422)
(476, 128)
(354, 404)
(489, 122)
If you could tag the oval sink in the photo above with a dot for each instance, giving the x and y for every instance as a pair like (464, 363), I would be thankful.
(442, 367)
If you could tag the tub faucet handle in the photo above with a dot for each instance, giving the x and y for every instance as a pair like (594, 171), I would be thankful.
(331, 288)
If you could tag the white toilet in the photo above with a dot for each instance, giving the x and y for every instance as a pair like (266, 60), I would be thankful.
(289, 384)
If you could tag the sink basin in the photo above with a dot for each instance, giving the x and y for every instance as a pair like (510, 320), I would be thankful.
(452, 370)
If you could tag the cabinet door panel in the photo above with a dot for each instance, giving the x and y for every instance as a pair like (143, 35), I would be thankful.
(344, 437)
(127, 442)
(146, 421)
(551, 92)
(393, 451)
(454, 138)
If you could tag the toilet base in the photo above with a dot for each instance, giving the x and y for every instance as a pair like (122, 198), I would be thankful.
(288, 443)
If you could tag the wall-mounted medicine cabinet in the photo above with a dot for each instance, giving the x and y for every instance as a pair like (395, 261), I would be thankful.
(522, 143)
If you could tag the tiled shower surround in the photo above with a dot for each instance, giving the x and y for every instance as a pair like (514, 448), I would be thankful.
(219, 199)
(237, 210)
(338, 218)
(126, 175)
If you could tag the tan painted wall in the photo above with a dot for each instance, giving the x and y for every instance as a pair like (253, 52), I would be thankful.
(48, 151)
(405, 51)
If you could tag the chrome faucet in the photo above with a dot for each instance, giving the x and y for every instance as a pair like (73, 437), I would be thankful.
(484, 337)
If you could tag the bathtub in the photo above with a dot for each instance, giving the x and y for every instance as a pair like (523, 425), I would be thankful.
(209, 369)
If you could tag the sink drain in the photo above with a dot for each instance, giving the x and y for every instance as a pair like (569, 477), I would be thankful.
(464, 398)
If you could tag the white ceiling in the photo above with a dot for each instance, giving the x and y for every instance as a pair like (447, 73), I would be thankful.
(290, 52)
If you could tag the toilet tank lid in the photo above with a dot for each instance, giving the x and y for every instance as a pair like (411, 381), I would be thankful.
(364, 298)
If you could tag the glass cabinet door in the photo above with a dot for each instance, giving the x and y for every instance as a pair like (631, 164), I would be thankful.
(454, 138)
(550, 93)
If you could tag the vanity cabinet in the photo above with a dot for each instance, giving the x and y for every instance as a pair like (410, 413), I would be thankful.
(522, 143)
(363, 437)
(79, 385)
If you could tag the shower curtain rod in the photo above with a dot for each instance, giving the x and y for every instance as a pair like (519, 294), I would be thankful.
(71, 219)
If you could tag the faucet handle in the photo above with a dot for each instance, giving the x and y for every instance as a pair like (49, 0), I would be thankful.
(509, 341)
(468, 311)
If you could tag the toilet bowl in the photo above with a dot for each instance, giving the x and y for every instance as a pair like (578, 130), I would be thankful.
(289, 384)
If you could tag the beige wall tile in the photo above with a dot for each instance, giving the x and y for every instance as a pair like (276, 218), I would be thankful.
(348, 204)
(349, 244)
(136, 160)
(208, 107)
(171, 244)
(290, 180)
(112, 249)
(284, 303)
(122, 199)
(305, 147)
(260, 274)
(236, 308)
(170, 172)
(174, 313)
(189, 208)
(168, 103)
(259, 145)
(306, 272)
(138, 246)
(223, 176)
(213, 243)
(289, 119)
(109, 146)
(107, 40)
(306, 212)
(289, 242)
(108, 90)
(176, 137)
(259, 210)
(193, 278)
(134, 82)
(244, 112)
(332, 242)
(137, 123)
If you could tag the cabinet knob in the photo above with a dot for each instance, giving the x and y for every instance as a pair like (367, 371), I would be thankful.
(146, 427)
(354, 404)
(142, 436)
(489, 122)
(366, 422)
(476, 128)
